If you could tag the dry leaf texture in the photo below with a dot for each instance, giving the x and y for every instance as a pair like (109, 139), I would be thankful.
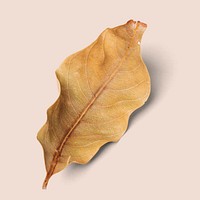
(100, 86)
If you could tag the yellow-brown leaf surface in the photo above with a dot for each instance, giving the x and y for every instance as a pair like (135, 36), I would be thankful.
(100, 86)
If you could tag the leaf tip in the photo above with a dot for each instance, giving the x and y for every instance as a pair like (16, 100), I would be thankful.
(136, 24)
(131, 22)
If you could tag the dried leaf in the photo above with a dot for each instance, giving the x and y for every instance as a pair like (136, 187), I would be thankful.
(100, 86)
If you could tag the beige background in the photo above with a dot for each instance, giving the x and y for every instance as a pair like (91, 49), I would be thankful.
(162, 142)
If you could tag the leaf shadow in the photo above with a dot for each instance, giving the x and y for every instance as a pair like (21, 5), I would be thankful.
(76, 170)
(155, 62)
(158, 71)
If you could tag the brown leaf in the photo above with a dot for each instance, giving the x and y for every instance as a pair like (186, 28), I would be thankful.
(101, 86)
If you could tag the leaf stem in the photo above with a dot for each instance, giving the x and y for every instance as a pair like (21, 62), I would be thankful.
(45, 183)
